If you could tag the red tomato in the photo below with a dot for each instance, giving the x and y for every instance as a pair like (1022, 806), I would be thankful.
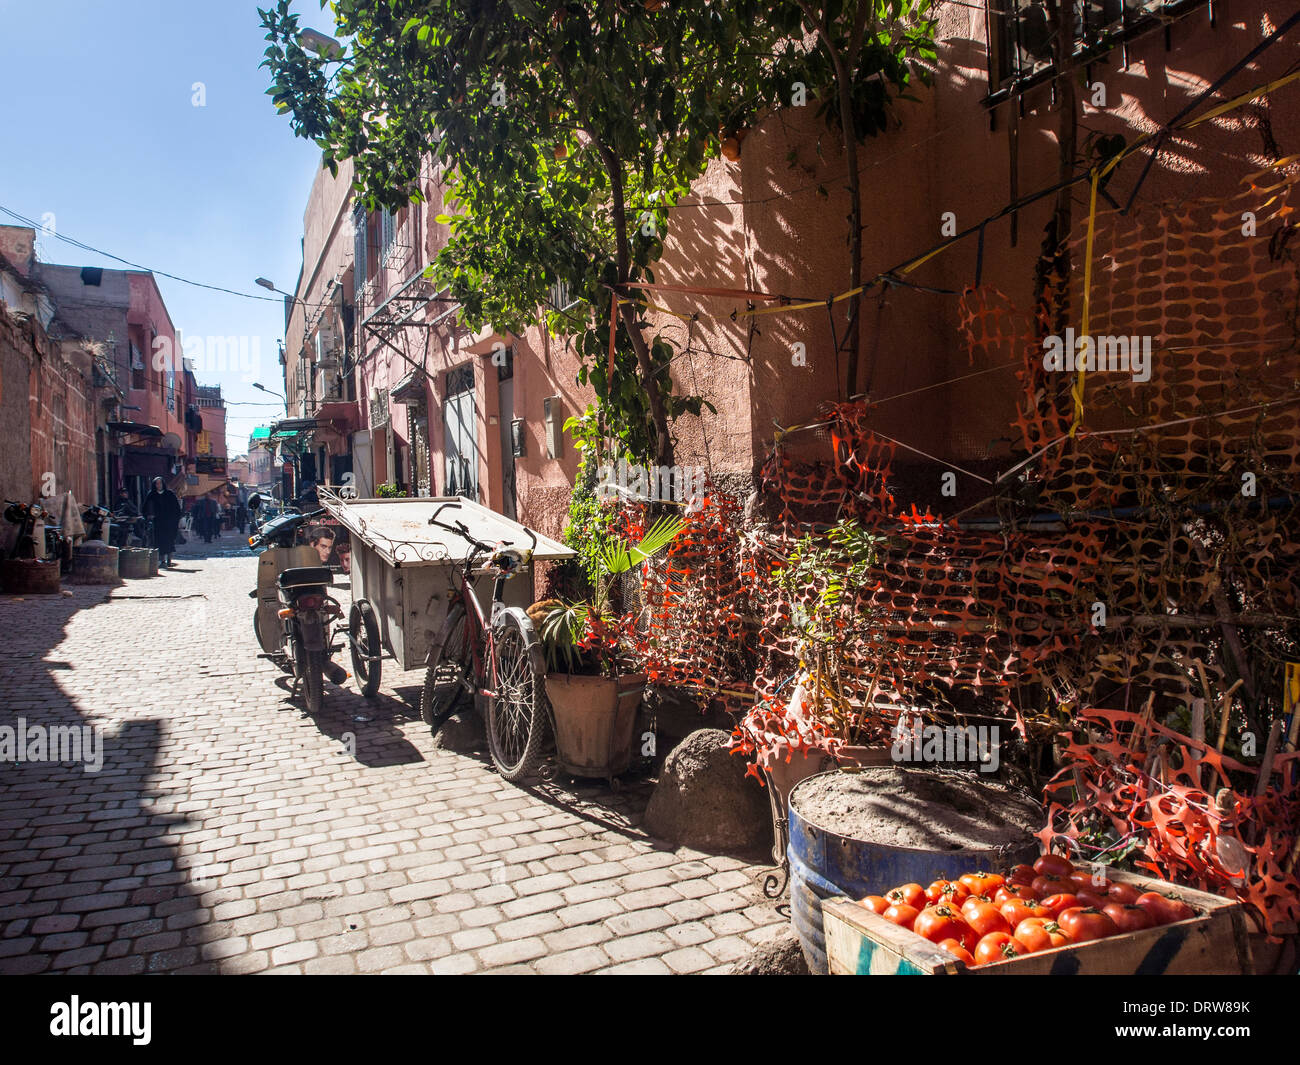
(1021, 874)
(1038, 933)
(1007, 892)
(901, 914)
(981, 883)
(1093, 897)
(1163, 909)
(998, 946)
(875, 903)
(971, 900)
(1084, 925)
(1125, 893)
(985, 917)
(1052, 885)
(1089, 882)
(937, 923)
(1056, 904)
(908, 895)
(1053, 865)
(946, 891)
(956, 949)
(1128, 918)
(1018, 910)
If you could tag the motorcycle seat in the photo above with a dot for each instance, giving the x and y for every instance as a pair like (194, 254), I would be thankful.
(300, 576)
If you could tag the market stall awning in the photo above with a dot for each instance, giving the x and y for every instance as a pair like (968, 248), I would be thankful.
(135, 429)
(410, 389)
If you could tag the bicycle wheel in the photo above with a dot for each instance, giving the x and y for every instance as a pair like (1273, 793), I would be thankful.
(445, 682)
(517, 720)
(363, 639)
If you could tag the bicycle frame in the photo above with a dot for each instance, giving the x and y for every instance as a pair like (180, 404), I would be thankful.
(478, 629)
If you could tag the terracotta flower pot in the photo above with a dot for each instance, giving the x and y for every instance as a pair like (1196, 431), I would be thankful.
(594, 721)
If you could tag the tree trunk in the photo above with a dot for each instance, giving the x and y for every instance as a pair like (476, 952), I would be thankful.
(855, 215)
(663, 455)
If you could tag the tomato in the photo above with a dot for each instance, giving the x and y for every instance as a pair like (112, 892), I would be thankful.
(971, 900)
(875, 903)
(958, 951)
(998, 946)
(1089, 882)
(941, 922)
(1128, 918)
(1093, 897)
(1007, 892)
(946, 891)
(1018, 910)
(1040, 933)
(1053, 865)
(981, 883)
(1056, 904)
(1021, 874)
(1125, 893)
(908, 894)
(1084, 925)
(985, 917)
(1163, 909)
(901, 914)
(1051, 885)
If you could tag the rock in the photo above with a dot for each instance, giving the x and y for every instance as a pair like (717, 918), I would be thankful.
(779, 956)
(462, 733)
(704, 800)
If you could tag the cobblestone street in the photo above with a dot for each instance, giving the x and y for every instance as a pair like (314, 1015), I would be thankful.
(227, 832)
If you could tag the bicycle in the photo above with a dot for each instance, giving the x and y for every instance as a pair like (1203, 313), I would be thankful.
(499, 656)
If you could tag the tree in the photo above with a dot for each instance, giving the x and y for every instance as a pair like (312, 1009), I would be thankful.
(565, 132)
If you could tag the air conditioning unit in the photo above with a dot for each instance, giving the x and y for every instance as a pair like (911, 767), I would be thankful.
(329, 345)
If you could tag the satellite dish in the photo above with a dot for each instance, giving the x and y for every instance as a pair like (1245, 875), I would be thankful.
(171, 440)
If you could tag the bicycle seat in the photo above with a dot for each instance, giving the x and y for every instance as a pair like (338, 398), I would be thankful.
(302, 576)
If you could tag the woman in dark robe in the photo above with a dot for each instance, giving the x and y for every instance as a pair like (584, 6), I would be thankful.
(162, 505)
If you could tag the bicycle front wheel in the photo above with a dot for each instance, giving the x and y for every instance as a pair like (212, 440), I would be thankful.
(517, 720)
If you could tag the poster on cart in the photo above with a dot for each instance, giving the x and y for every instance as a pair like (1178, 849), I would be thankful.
(333, 542)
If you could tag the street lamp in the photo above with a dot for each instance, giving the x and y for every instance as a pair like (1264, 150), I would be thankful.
(262, 388)
(322, 45)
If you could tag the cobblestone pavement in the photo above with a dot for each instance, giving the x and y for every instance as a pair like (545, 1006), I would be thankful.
(228, 832)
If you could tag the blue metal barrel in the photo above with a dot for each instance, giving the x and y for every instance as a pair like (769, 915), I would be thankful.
(825, 865)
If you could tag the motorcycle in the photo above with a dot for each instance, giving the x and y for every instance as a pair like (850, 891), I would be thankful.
(95, 518)
(26, 516)
(296, 621)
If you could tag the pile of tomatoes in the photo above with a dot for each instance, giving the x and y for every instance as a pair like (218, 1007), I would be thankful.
(986, 917)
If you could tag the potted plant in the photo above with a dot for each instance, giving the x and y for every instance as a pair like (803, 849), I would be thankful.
(593, 694)
(826, 719)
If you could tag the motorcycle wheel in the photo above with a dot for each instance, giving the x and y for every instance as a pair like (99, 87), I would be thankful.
(313, 680)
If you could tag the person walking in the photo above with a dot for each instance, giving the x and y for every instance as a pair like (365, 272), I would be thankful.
(241, 517)
(162, 505)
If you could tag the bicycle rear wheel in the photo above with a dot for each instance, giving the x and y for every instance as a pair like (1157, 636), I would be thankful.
(517, 716)
(445, 680)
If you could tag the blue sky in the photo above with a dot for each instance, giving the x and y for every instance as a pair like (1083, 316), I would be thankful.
(102, 132)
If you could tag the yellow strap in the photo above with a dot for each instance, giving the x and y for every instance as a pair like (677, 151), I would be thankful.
(1244, 98)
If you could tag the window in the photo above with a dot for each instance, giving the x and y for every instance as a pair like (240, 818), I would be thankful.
(359, 273)
(1022, 48)
(137, 369)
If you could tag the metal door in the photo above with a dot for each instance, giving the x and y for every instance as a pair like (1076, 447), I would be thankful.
(460, 456)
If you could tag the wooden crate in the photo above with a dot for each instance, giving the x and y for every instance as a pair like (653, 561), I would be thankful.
(1214, 942)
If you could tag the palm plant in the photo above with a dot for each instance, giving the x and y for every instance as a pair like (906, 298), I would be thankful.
(585, 634)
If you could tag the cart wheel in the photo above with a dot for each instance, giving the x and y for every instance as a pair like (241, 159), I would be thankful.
(444, 683)
(517, 720)
(363, 639)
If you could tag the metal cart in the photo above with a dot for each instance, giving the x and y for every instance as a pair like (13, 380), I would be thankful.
(402, 574)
